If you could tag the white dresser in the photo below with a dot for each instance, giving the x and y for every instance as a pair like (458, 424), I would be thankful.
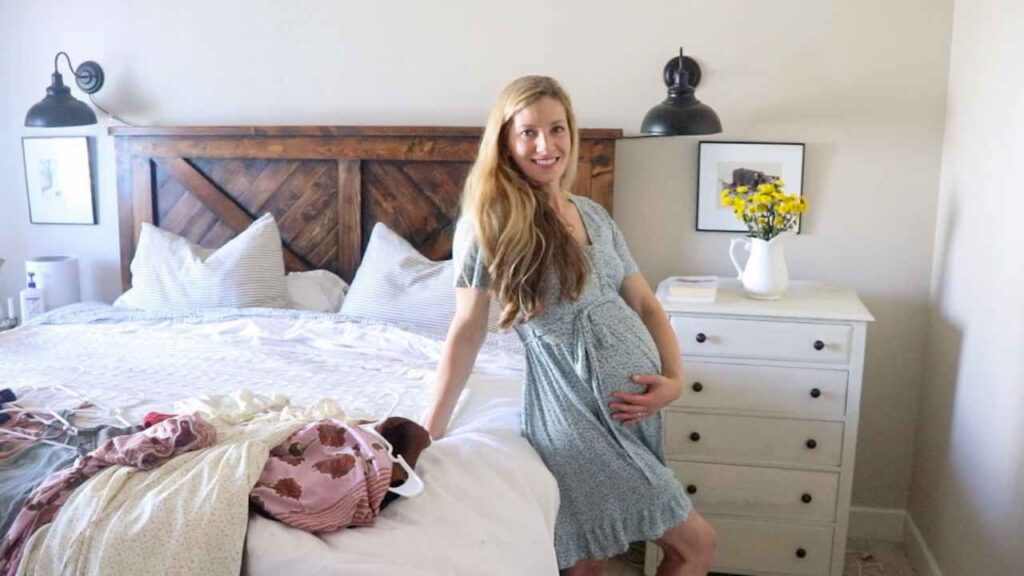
(764, 434)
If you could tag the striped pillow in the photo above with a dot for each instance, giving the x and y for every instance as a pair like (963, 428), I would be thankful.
(171, 273)
(397, 284)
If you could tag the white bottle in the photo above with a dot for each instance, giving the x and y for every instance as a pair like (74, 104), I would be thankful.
(33, 302)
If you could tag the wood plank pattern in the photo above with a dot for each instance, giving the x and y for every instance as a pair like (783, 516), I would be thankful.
(381, 131)
(125, 210)
(326, 185)
(350, 231)
(142, 196)
(602, 173)
(226, 210)
(168, 192)
(186, 208)
(308, 148)
(207, 193)
(581, 186)
(394, 197)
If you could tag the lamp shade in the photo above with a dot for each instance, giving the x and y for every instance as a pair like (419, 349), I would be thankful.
(681, 113)
(59, 107)
(57, 277)
(679, 116)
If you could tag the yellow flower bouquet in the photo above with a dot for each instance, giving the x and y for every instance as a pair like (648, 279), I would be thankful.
(764, 206)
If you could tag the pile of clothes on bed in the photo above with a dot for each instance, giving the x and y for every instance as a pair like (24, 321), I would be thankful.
(176, 490)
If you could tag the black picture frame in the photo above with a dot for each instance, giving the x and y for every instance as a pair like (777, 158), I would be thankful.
(717, 158)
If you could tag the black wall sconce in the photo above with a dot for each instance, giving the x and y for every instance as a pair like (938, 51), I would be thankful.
(681, 113)
(59, 107)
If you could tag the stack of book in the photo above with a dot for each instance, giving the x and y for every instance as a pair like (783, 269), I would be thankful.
(684, 289)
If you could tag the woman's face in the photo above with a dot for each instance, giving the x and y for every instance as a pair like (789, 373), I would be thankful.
(540, 143)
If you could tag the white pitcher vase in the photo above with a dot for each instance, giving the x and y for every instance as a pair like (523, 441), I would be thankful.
(764, 276)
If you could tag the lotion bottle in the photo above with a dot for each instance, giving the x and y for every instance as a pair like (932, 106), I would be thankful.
(33, 302)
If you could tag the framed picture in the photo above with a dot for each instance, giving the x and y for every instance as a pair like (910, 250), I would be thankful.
(723, 163)
(58, 177)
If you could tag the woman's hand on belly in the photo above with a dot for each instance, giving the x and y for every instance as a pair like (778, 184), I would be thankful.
(632, 408)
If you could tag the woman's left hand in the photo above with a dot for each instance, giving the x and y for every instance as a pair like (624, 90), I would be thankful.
(632, 408)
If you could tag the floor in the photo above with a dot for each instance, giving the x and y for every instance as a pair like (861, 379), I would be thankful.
(876, 558)
(863, 558)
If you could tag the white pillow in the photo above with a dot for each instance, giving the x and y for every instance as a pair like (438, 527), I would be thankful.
(395, 283)
(171, 273)
(317, 290)
(127, 300)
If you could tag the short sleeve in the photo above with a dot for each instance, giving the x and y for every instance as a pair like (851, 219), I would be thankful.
(468, 259)
(629, 266)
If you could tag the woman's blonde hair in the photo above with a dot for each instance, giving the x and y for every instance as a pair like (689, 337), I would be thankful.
(520, 234)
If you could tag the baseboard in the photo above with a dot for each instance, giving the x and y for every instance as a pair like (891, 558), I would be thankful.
(886, 524)
(920, 555)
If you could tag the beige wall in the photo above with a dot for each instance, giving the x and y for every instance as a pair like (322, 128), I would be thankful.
(861, 83)
(970, 437)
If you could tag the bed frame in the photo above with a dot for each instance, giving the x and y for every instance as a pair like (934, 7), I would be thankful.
(326, 185)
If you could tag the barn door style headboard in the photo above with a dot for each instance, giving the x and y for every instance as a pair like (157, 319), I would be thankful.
(326, 185)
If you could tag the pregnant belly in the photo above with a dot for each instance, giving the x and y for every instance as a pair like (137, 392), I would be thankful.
(622, 347)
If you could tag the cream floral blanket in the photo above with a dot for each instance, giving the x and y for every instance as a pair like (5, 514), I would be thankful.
(187, 517)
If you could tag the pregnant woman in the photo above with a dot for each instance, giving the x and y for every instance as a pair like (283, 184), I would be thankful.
(602, 360)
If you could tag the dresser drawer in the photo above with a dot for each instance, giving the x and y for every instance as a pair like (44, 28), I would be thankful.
(805, 392)
(759, 547)
(702, 336)
(743, 439)
(764, 492)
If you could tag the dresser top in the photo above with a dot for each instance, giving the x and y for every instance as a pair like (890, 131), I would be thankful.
(809, 300)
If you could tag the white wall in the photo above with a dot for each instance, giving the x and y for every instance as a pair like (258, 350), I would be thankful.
(861, 83)
(970, 440)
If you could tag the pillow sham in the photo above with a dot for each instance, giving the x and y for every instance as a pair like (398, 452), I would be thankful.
(316, 290)
(171, 273)
(395, 283)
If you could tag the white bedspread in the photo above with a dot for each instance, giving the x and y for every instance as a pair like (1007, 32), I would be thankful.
(489, 506)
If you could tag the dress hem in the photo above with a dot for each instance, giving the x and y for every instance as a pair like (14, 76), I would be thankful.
(596, 543)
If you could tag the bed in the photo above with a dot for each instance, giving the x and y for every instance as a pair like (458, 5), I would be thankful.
(489, 504)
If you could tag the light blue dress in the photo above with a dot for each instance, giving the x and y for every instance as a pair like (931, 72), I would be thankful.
(613, 482)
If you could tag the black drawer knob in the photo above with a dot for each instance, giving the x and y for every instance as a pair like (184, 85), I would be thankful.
(812, 443)
(806, 498)
(815, 393)
(801, 553)
(697, 386)
(691, 489)
(819, 345)
(701, 337)
(694, 437)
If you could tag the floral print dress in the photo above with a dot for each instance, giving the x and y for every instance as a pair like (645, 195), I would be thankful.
(614, 486)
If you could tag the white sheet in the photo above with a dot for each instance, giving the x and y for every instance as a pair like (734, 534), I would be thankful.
(489, 506)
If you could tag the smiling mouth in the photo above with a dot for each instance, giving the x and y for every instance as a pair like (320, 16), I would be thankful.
(546, 162)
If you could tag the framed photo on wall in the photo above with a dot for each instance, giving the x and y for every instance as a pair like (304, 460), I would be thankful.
(720, 164)
(58, 177)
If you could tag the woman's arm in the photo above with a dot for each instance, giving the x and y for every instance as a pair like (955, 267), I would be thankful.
(638, 294)
(664, 388)
(465, 337)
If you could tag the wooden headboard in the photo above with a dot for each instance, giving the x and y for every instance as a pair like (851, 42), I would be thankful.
(326, 185)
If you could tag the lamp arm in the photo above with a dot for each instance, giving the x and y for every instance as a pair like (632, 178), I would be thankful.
(56, 61)
(88, 74)
(74, 70)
